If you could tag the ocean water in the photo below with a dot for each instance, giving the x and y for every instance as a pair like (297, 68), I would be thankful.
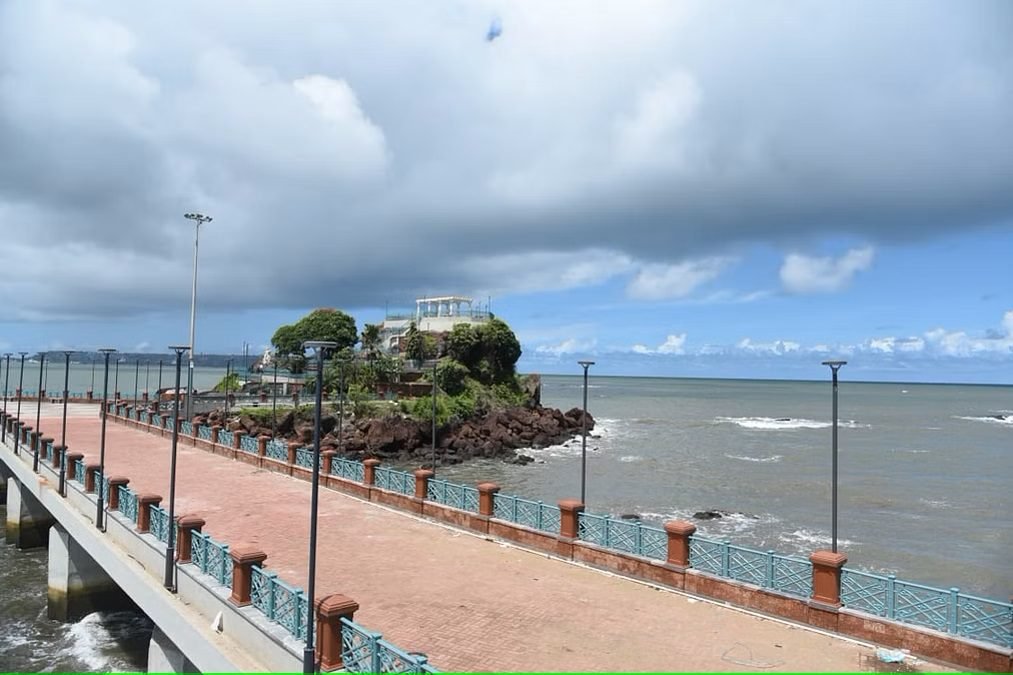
(925, 471)
(31, 642)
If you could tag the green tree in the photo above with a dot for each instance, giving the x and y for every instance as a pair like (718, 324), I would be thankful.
(325, 323)
(451, 376)
(501, 348)
(370, 339)
(415, 344)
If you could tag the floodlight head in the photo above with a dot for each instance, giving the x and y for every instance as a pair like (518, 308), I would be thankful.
(179, 349)
(585, 363)
(199, 217)
(107, 350)
(319, 345)
(834, 365)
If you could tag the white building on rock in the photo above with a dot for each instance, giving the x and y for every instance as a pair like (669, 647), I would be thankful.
(432, 315)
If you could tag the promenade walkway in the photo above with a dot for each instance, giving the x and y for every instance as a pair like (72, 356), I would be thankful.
(467, 602)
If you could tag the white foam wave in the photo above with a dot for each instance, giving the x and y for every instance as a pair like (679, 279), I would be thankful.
(764, 460)
(1005, 420)
(87, 639)
(934, 503)
(631, 458)
(812, 538)
(784, 423)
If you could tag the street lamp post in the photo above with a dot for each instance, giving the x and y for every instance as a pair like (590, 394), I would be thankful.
(38, 415)
(199, 219)
(434, 418)
(93, 375)
(228, 368)
(834, 367)
(137, 377)
(7, 378)
(21, 384)
(116, 381)
(341, 404)
(274, 401)
(583, 436)
(147, 373)
(63, 435)
(320, 347)
(159, 375)
(170, 549)
(101, 488)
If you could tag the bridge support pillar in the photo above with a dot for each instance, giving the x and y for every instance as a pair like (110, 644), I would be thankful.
(4, 476)
(165, 657)
(28, 521)
(77, 584)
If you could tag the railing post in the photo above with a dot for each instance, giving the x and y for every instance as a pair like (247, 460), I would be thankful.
(487, 498)
(422, 477)
(90, 471)
(679, 532)
(890, 597)
(726, 551)
(33, 441)
(144, 504)
(214, 434)
(54, 461)
(243, 560)
(330, 611)
(184, 543)
(71, 461)
(769, 577)
(369, 471)
(237, 439)
(569, 518)
(262, 445)
(953, 614)
(326, 461)
(44, 446)
(827, 577)
(293, 451)
(114, 491)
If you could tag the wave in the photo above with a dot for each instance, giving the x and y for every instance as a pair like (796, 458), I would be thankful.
(785, 423)
(631, 458)
(1006, 420)
(772, 458)
(812, 538)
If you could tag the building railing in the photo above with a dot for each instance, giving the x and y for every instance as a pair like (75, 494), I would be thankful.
(79, 470)
(304, 458)
(457, 496)
(211, 557)
(128, 503)
(277, 450)
(536, 515)
(226, 438)
(623, 535)
(363, 651)
(186, 428)
(395, 481)
(281, 603)
(204, 432)
(346, 468)
(248, 444)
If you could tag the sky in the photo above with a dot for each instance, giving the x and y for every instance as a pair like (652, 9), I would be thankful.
(704, 189)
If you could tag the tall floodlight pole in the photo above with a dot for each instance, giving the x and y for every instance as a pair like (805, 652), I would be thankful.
(116, 381)
(160, 375)
(320, 347)
(834, 367)
(38, 415)
(341, 404)
(7, 378)
(170, 549)
(274, 400)
(101, 487)
(93, 375)
(21, 384)
(199, 219)
(137, 378)
(147, 373)
(434, 418)
(583, 436)
(63, 434)
(228, 369)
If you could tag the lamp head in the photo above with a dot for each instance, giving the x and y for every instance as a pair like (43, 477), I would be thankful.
(107, 350)
(585, 363)
(835, 364)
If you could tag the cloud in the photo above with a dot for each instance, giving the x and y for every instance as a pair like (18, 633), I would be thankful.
(339, 178)
(662, 282)
(775, 348)
(567, 346)
(802, 274)
(673, 344)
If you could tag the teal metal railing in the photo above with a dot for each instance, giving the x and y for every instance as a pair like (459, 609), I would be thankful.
(526, 512)
(346, 468)
(79, 470)
(211, 557)
(277, 450)
(304, 458)
(158, 524)
(363, 651)
(786, 574)
(225, 438)
(146, 417)
(946, 610)
(156, 420)
(248, 444)
(128, 503)
(204, 432)
(186, 427)
(630, 536)
(395, 481)
(284, 604)
(452, 494)
(168, 422)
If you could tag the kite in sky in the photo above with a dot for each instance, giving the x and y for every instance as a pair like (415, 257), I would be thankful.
(495, 30)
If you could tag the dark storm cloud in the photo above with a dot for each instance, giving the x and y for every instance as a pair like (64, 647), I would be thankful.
(352, 156)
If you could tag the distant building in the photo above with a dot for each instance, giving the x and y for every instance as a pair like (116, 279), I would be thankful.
(432, 315)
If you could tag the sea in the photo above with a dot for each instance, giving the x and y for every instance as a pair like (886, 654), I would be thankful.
(925, 485)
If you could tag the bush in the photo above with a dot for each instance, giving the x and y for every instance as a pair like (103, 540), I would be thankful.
(451, 376)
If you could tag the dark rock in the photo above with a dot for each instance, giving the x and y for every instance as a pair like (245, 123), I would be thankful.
(629, 516)
(708, 515)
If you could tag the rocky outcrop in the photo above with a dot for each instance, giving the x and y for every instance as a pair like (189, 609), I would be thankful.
(498, 434)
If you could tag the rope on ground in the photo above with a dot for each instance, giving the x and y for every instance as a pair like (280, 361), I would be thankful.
(748, 662)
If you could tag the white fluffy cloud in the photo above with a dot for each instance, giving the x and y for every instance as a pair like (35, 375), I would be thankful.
(662, 282)
(804, 274)
(673, 344)
(567, 346)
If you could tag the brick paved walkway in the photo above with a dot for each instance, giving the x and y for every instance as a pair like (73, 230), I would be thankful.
(467, 602)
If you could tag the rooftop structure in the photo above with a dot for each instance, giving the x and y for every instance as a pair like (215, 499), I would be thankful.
(433, 315)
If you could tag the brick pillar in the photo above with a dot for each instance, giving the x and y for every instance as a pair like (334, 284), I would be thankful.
(44, 445)
(144, 396)
(89, 395)
(144, 504)
(327, 458)
(827, 577)
(569, 518)
(25, 430)
(184, 543)
(422, 477)
(55, 459)
(292, 447)
(214, 433)
(243, 561)
(114, 492)
(486, 498)
(90, 471)
(33, 441)
(69, 468)
(262, 445)
(369, 471)
(237, 439)
(679, 532)
(330, 611)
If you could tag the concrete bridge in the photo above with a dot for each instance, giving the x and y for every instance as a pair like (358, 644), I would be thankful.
(440, 570)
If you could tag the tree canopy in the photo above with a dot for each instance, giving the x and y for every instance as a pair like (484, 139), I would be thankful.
(325, 323)
(489, 351)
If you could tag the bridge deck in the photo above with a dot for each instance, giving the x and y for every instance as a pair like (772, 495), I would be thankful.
(469, 603)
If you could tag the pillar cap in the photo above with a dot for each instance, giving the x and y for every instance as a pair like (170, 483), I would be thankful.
(828, 559)
(148, 498)
(264, 437)
(571, 505)
(92, 466)
(336, 605)
(190, 522)
(57, 447)
(488, 487)
(247, 556)
(46, 439)
(118, 480)
(682, 527)
(329, 453)
(72, 456)
(372, 461)
(424, 473)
